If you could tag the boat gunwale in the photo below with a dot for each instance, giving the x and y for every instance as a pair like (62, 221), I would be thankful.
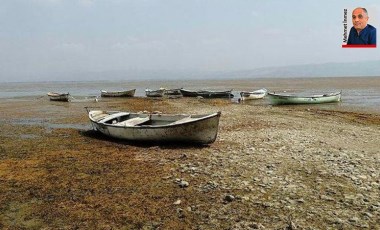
(53, 94)
(122, 91)
(205, 91)
(305, 97)
(125, 93)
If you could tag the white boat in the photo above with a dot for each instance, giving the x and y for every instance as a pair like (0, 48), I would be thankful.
(126, 93)
(200, 129)
(154, 93)
(58, 96)
(279, 99)
(253, 95)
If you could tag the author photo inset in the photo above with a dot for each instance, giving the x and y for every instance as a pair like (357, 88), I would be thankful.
(362, 34)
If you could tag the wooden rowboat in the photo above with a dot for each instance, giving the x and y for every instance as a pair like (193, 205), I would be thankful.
(257, 94)
(278, 99)
(58, 96)
(207, 93)
(126, 93)
(201, 129)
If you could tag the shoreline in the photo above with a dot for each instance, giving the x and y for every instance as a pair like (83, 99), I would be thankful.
(359, 93)
(262, 102)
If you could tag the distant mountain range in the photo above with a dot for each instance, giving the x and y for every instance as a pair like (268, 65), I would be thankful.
(370, 68)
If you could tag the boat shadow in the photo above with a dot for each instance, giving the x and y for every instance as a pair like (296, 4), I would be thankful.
(143, 144)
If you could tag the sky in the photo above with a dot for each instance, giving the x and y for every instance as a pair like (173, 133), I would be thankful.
(42, 39)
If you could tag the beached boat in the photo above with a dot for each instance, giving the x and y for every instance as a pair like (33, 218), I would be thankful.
(279, 99)
(154, 93)
(253, 95)
(126, 93)
(172, 93)
(175, 92)
(200, 129)
(189, 93)
(207, 93)
(58, 96)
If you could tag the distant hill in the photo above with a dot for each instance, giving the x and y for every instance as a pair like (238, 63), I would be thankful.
(370, 68)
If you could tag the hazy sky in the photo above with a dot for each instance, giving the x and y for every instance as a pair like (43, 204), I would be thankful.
(46, 37)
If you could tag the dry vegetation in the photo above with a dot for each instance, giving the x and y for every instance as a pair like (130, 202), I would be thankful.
(270, 167)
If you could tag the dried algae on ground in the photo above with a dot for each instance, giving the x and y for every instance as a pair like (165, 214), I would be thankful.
(270, 167)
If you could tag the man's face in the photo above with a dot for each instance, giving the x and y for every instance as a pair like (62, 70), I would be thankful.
(359, 19)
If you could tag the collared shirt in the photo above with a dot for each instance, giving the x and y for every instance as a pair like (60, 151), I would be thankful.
(366, 37)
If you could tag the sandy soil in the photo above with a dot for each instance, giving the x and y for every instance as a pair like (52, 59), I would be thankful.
(304, 167)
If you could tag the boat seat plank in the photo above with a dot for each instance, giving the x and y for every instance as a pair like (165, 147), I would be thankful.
(133, 121)
(113, 116)
(183, 120)
(99, 117)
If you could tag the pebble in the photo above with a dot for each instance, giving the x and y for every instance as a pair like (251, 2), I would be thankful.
(338, 221)
(229, 198)
(183, 184)
(368, 214)
(301, 200)
(363, 177)
(180, 213)
(177, 202)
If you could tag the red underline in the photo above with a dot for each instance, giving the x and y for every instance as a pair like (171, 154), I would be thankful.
(359, 46)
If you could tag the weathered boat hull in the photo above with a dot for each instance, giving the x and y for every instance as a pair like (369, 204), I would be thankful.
(199, 129)
(277, 99)
(211, 94)
(154, 93)
(207, 94)
(59, 96)
(188, 93)
(254, 95)
(127, 93)
(172, 92)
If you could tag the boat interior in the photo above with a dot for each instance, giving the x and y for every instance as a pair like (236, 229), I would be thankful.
(135, 119)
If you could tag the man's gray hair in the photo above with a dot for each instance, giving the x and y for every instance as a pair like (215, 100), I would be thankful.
(364, 9)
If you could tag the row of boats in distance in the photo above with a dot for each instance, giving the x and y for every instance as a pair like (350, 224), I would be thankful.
(197, 129)
(274, 98)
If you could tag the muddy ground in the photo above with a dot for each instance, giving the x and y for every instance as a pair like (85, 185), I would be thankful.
(304, 167)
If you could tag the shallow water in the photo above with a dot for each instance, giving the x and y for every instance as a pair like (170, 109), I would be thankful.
(360, 92)
(48, 125)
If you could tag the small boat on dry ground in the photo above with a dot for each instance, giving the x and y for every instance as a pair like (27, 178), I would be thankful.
(253, 95)
(126, 93)
(154, 93)
(207, 93)
(172, 93)
(58, 96)
(200, 129)
(279, 99)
